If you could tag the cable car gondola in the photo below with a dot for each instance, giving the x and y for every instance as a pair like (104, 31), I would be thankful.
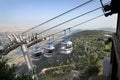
(49, 49)
(36, 52)
(66, 46)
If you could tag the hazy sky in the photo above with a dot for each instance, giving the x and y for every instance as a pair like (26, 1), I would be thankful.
(28, 13)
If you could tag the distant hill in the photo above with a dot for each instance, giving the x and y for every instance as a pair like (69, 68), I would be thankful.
(12, 29)
(107, 29)
(90, 32)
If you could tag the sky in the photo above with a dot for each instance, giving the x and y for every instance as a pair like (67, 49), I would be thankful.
(29, 13)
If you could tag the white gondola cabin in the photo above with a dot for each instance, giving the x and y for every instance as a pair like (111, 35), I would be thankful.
(49, 50)
(37, 52)
(66, 47)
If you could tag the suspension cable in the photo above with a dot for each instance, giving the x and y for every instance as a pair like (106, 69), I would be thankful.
(79, 24)
(70, 20)
(64, 30)
(58, 16)
(87, 21)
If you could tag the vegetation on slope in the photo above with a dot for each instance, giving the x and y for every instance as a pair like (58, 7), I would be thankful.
(8, 72)
(87, 56)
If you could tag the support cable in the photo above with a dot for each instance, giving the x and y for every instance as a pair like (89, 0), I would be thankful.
(79, 24)
(39, 40)
(70, 20)
(58, 16)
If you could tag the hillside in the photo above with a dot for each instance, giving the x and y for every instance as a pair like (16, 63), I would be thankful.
(86, 58)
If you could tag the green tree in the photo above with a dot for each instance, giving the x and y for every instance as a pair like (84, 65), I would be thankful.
(8, 72)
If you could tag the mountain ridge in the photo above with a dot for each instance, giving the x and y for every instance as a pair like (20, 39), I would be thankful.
(12, 29)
